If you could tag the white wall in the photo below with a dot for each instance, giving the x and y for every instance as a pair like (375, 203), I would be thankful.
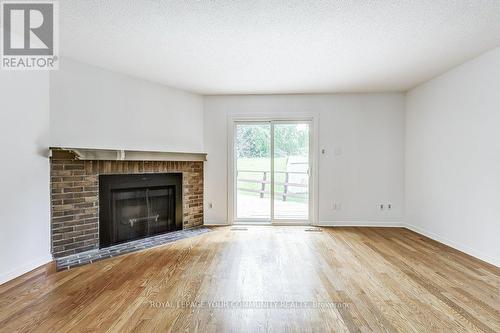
(453, 157)
(368, 129)
(452, 149)
(24, 172)
(96, 108)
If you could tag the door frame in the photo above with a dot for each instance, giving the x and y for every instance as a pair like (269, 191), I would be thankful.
(312, 119)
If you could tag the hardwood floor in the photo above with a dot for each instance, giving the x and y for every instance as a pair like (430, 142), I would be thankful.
(341, 279)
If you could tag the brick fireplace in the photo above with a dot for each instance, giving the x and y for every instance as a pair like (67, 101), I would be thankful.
(75, 196)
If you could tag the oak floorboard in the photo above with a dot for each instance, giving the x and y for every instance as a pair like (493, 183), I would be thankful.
(267, 278)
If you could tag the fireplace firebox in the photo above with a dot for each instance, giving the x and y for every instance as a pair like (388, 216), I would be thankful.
(136, 206)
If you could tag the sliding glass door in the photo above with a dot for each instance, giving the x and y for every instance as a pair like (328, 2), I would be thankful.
(272, 171)
(253, 171)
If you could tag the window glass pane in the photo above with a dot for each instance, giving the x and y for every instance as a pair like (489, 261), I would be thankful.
(291, 171)
(253, 171)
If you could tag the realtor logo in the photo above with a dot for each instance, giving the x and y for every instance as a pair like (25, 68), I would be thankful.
(30, 35)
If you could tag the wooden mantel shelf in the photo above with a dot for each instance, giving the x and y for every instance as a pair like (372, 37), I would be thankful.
(127, 155)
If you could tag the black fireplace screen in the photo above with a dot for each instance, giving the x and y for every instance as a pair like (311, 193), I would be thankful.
(138, 206)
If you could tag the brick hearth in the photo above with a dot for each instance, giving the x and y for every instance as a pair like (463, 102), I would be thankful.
(75, 197)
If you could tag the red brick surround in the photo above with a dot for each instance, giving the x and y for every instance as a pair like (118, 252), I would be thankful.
(75, 197)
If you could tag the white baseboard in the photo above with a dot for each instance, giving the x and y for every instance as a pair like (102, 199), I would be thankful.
(396, 224)
(215, 223)
(460, 247)
(20, 270)
(393, 224)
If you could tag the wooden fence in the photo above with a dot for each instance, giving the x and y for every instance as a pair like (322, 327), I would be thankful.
(265, 180)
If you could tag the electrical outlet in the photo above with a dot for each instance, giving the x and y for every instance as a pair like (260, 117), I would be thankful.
(210, 205)
(336, 205)
(381, 206)
(389, 206)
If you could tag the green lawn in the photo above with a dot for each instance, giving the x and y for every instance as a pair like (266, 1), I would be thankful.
(261, 164)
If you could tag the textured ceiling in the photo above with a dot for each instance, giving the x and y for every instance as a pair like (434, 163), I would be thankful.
(226, 47)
